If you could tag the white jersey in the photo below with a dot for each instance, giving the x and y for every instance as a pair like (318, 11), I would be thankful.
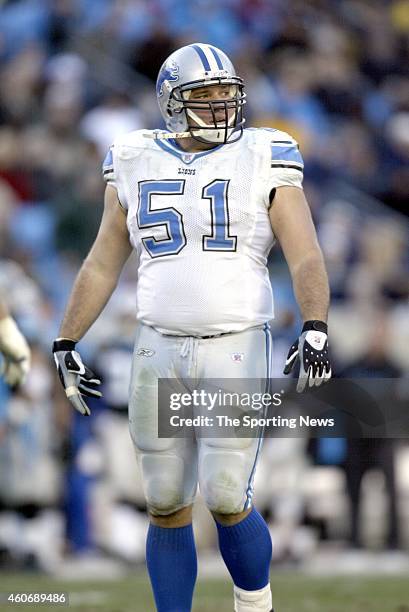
(200, 225)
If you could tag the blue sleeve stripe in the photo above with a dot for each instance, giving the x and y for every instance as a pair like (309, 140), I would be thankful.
(108, 161)
(285, 153)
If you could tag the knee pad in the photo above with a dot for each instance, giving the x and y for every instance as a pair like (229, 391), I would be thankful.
(164, 484)
(223, 484)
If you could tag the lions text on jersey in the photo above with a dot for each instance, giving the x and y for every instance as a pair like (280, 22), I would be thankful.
(200, 225)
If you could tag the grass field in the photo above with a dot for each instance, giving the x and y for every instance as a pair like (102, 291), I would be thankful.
(292, 593)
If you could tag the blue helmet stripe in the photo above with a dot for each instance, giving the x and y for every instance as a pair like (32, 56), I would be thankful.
(216, 57)
(202, 56)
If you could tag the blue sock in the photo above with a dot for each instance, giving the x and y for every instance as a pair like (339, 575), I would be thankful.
(246, 550)
(172, 567)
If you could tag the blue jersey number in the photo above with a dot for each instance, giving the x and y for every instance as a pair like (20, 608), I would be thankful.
(168, 217)
(218, 240)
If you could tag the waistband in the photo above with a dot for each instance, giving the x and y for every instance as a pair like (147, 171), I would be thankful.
(211, 336)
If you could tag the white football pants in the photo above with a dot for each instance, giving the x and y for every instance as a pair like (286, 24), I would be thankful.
(172, 468)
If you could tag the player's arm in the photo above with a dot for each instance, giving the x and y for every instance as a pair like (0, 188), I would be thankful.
(14, 348)
(292, 225)
(92, 289)
(100, 271)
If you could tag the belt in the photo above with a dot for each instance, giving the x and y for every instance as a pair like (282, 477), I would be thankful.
(214, 336)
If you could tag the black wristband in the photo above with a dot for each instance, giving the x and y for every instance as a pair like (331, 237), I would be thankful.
(63, 344)
(320, 326)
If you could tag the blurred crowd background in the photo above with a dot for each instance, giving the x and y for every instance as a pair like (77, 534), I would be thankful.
(77, 73)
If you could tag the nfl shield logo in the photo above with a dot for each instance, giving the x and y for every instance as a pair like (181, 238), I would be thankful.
(144, 352)
(237, 357)
(187, 157)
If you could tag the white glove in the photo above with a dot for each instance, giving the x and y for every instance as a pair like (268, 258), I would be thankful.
(311, 350)
(16, 353)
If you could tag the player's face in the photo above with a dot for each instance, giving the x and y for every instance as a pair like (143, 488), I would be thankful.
(218, 96)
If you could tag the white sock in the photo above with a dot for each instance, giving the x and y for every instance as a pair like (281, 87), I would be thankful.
(253, 601)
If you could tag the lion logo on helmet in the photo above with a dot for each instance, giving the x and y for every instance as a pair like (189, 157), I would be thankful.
(170, 72)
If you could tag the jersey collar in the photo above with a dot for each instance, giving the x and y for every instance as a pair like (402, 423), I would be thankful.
(170, 146)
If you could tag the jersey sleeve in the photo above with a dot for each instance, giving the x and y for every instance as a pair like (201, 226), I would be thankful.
(108, 171)
(286, 162)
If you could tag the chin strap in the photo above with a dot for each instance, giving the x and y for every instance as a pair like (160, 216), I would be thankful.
(212, 133)
(160, 135)
(199, 131)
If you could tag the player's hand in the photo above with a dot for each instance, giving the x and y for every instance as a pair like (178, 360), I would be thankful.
(16, 353)
(311, 351)
(76, 378)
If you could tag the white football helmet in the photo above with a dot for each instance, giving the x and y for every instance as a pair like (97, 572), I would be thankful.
(192, 67)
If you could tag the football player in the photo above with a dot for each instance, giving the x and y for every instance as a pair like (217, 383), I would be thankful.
(202, 203)
(14, 349)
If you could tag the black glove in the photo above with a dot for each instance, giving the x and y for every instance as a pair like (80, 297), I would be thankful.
(76, 378)
(311, 350)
